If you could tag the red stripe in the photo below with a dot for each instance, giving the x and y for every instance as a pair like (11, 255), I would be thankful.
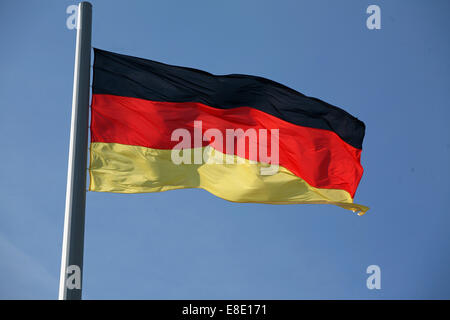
(318, 156)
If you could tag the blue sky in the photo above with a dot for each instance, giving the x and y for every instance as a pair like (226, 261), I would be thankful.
(189, 244)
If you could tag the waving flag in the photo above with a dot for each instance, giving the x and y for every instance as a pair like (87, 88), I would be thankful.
(156, 127)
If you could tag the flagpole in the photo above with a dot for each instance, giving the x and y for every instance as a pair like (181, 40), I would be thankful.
(73, 239)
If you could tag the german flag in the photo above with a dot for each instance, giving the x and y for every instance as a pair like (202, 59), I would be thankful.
(157, 127)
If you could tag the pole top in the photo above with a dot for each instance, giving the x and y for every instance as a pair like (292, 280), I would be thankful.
(85, 4)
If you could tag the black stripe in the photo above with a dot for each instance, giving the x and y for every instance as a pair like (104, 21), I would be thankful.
(127, 76)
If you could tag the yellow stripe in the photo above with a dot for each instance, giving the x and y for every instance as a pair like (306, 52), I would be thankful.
(133, 169)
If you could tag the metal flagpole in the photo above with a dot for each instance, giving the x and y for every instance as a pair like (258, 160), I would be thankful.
(73, 239)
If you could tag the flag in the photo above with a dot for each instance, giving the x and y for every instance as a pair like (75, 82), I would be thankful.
(157, 127)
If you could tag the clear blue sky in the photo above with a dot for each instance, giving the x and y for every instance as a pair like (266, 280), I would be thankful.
(188, 244)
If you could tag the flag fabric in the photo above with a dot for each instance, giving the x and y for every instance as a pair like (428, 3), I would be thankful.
(142, 111)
